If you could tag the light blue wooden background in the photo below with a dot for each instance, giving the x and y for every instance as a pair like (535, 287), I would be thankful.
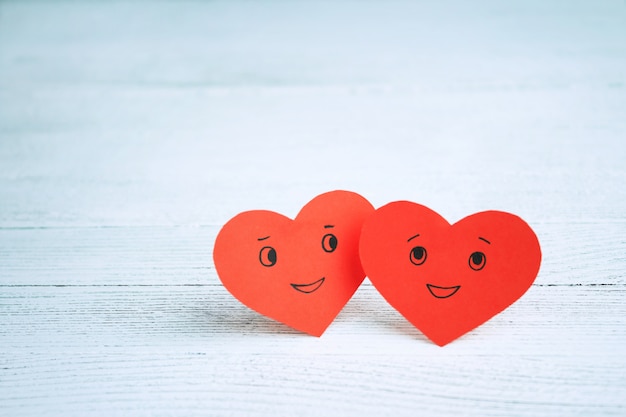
(131, 131)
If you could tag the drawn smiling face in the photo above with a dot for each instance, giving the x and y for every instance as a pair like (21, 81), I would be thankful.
(476, 262)
(300, 272)
(268, 257)
(448, 279)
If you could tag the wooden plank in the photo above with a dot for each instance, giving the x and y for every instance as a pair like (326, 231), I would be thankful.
(580, 319)
(189, 383)
(545, 155)
(553, 155)
(193, 350)
(107, 256)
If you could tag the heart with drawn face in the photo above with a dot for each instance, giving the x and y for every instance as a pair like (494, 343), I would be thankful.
(448, 279)
(299, 272)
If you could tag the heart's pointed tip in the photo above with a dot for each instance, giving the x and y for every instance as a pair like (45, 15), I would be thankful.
(441, 342)
(315, 333)
(309, 330)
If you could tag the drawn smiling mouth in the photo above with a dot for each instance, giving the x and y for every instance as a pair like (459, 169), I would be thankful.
(309, 288)
(442, 292)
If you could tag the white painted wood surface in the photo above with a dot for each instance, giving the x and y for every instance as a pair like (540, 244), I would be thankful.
(131, 131)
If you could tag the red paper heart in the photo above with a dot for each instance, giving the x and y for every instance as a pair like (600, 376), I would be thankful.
(448, 279)
(300, 272)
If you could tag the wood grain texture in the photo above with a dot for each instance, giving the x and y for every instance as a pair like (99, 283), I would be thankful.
(194, 349)
(131, 131)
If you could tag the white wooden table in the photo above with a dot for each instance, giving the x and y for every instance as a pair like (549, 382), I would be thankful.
(131, 131)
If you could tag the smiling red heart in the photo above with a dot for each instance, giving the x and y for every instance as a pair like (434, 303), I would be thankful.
(300, 272)
(448, 279)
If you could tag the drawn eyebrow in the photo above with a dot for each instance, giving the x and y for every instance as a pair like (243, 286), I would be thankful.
(413, 237)
(263, 238)
(328, 226)
(483, 239)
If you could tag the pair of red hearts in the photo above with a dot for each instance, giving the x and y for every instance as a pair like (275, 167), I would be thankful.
(444, 279)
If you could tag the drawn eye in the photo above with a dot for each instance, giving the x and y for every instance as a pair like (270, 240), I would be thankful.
(267, 256)
(418, 255)
(329, 243)
(477, 261)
